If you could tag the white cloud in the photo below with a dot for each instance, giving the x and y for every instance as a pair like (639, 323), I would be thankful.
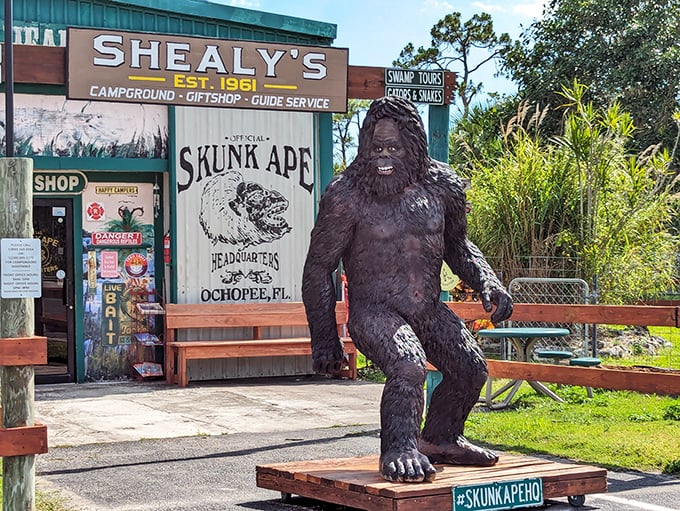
(530, 10)
(489, 8)
(437, 5)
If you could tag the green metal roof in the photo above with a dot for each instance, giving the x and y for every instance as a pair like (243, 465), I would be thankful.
(199, 18)
(218, 11)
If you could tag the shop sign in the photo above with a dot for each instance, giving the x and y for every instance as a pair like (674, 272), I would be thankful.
(59, 182)
(116, 189)
(109, 266)
(177, 70)
(499, 495)
(117, 238)
(135, 265)
(245, 201)
(427, 95)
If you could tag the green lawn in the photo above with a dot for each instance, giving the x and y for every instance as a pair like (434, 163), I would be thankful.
(616, 429)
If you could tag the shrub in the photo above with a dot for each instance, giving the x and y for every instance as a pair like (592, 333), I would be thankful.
(672, 413)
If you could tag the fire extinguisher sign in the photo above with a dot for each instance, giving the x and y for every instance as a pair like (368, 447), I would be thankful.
(166, 248)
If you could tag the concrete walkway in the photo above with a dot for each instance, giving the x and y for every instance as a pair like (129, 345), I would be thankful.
(77, 414)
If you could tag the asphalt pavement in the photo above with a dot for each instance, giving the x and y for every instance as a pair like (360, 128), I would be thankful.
(138, 446)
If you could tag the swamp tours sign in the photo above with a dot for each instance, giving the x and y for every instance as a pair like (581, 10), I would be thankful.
(245, 204)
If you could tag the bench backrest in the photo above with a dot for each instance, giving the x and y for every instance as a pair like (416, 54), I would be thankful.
(228, 315)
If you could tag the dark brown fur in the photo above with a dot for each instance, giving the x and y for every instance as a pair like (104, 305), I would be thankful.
(392, 217)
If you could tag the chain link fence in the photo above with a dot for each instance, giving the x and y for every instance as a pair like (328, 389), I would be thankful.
(555, 280)
(552, 291)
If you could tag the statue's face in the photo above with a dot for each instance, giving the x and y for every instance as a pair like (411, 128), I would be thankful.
(387, 170)
(387, 151)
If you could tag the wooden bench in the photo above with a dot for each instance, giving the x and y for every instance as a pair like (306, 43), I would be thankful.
(235, 315)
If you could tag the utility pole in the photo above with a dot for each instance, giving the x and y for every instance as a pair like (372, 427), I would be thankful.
(16, 321)
(16, 314)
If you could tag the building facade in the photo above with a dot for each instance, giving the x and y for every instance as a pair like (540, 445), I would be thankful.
(176, 159)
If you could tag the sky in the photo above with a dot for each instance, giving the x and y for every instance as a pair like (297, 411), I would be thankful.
(375, 31)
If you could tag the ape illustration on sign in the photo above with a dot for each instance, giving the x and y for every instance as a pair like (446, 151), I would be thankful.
(392, 218)
(245, 212)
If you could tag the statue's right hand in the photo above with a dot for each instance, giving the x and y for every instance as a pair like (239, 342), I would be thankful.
(326, 361)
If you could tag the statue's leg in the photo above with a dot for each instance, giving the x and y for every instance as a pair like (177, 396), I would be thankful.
(454, 352)
(386, 339)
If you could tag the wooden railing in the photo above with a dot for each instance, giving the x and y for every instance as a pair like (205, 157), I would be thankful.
(651, 382)
(23, 440)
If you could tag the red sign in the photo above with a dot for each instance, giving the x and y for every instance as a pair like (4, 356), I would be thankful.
(95, 211)
(117, 238)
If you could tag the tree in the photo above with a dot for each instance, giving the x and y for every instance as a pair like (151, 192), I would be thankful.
(625, 51)
(478, 135)
(345, 128)
(583, 196)
(463, 48)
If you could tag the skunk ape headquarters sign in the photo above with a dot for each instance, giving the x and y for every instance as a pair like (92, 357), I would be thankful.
(177, 70)
(245, 204)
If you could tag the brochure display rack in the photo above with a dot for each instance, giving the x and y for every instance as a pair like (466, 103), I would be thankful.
(146, 362)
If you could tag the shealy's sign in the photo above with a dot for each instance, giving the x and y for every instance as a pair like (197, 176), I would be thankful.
(177, 70)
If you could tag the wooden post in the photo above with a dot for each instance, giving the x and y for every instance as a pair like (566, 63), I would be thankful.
(438, 132)
(16, 320)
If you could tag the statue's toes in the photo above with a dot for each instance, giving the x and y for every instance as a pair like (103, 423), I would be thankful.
(406, 467)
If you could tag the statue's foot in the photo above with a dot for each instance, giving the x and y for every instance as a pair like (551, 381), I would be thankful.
(459, 452)
(406, 466)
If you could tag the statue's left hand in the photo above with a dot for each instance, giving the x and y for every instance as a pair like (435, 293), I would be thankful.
(501, 299)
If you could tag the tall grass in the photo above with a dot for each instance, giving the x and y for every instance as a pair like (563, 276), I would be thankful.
(581, 196)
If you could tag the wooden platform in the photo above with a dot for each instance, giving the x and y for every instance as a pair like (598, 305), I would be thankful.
(355, 482)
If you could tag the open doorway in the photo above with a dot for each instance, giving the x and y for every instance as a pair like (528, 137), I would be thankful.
(54, 310)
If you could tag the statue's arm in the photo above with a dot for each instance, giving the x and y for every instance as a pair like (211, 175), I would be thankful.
(330, 236)
(464, 257)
